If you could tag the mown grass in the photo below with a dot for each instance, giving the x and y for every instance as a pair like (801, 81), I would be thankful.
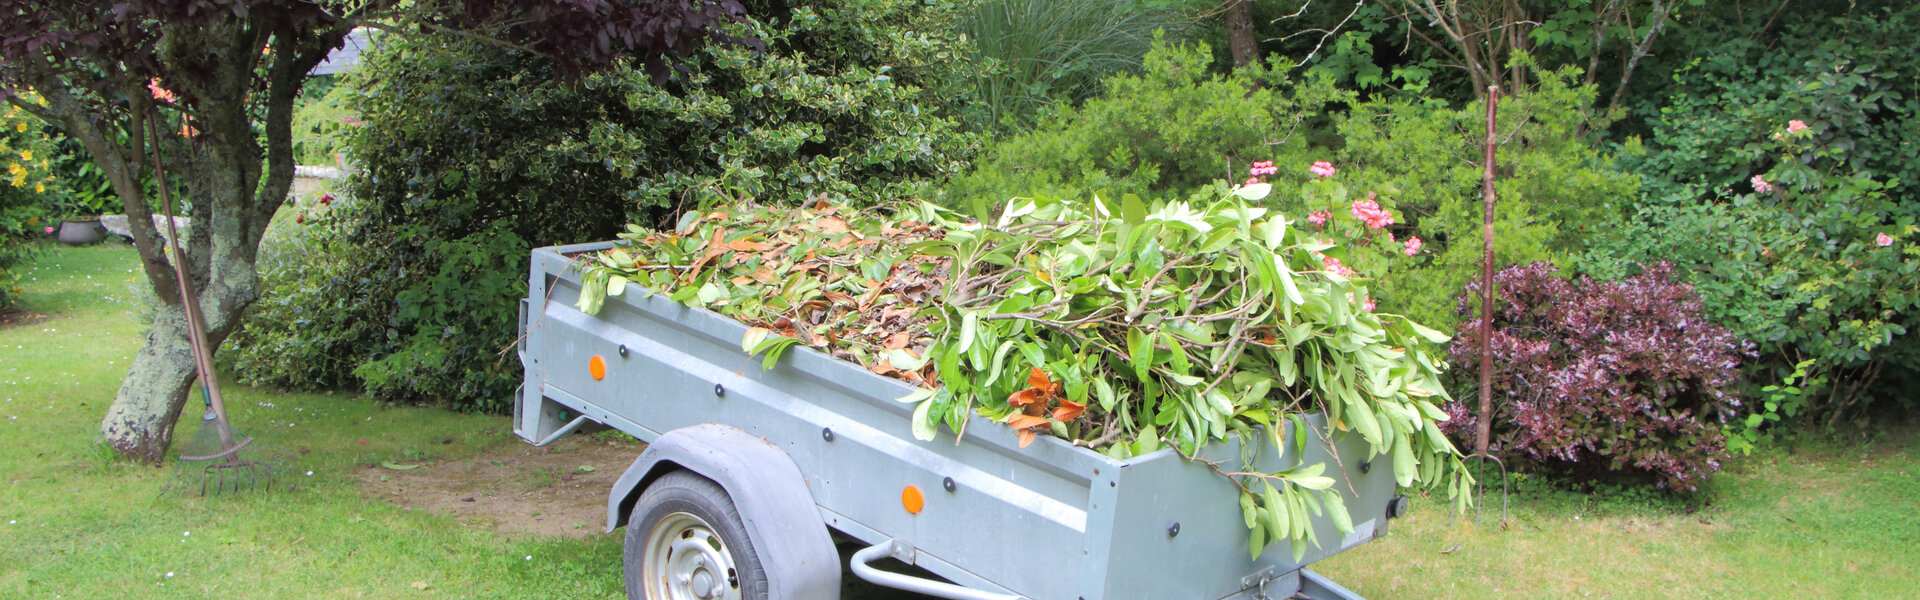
(1832, 519)
(82, 525)
(1826, 520)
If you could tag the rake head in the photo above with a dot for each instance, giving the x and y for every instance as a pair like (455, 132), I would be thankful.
(216, 462)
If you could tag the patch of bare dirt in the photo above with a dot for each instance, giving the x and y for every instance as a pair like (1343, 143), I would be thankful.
(560, 490)
(20, 319)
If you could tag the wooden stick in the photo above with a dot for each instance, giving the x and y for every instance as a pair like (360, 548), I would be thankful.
(1486, 280)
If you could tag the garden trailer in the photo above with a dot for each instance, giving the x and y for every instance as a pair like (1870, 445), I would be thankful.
(750, 471)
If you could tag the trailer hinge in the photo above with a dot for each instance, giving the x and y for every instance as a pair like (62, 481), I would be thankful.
(1258, 582)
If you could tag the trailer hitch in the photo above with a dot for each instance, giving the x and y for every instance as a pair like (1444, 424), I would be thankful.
(901, 549)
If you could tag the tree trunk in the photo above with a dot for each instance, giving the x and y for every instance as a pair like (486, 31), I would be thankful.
(1240, 41)
(139, 424)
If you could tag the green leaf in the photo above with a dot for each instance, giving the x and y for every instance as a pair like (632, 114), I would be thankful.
(917, 396)
(969, 329)
(1273, 232)
(1315, 482)
(1337, 512)
(398, 466)
(923, 425)
(1285, 275)
(1248, 511)
(904, 360)
(1139, 352)
(1404, 466)
(616, 285)
(752, 339)
(999, 362)
(1254, 191)
(1425, 332)
(1257, 539)
(1186, 380)
(1104, 392)
(1278, 515)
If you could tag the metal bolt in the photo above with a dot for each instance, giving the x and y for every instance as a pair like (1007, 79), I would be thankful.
(1174, 529)
(948, 483)
(719, 391)
(623, 351)
(826, 433)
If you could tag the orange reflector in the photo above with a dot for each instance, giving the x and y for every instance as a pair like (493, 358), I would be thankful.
(597, 367)
(912, 499)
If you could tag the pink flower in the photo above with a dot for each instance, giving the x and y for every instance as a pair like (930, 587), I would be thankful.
(1321, 168)
(1883, 240)
(1319, 217)
(1413, 245)
(159, 93)
(1253, 180)
(1796, 126)
(1264, 167)
(1761, 185)
(1333, 266)
(1371, 213)
(50, 232)
(1390, 238)
(1367, 304)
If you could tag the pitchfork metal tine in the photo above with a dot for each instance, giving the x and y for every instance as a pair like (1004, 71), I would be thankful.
(1480, 488)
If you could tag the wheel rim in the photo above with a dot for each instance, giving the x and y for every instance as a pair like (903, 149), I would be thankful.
(687, 560)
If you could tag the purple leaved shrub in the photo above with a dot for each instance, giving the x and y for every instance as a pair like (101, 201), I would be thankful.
(1601, 379)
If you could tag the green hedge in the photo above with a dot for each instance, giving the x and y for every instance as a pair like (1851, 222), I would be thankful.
(473, 156)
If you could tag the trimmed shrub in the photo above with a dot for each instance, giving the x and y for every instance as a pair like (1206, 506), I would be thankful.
(1780, 182)
(1176, 129)
(473, 156)
(1601, 379)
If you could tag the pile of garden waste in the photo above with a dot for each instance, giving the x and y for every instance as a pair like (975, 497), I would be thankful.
(1120, 327)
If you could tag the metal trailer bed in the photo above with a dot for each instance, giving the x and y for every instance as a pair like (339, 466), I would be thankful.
(816, 443)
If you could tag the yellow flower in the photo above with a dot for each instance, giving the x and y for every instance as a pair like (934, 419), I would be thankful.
(21, 126)
(26, 155)
(39, 188)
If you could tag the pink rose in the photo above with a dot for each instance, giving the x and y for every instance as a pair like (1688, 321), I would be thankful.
(1760, 185)
(1321, 168)
(1796, 126)
(1413, 245)
(1883, 240)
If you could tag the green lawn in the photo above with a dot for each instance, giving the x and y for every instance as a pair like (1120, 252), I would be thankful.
(1831, 520)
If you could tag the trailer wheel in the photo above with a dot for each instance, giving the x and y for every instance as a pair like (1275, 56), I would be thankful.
(685, 541)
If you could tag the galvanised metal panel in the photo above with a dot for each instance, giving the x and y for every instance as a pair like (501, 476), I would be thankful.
(1050, 521)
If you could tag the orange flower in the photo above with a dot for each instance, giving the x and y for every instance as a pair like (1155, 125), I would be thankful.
(159, 93)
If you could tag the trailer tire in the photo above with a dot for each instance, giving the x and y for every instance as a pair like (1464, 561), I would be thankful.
(685, 536)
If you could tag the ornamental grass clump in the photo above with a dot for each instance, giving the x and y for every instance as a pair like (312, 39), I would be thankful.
(1120, 327)
(1604, 378)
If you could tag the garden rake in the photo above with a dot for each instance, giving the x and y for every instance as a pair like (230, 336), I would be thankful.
(218, 458)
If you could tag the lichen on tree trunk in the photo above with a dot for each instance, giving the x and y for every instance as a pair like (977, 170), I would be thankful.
(139, 423)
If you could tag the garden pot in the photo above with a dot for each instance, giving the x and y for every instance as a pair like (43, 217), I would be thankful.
(81, 232)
